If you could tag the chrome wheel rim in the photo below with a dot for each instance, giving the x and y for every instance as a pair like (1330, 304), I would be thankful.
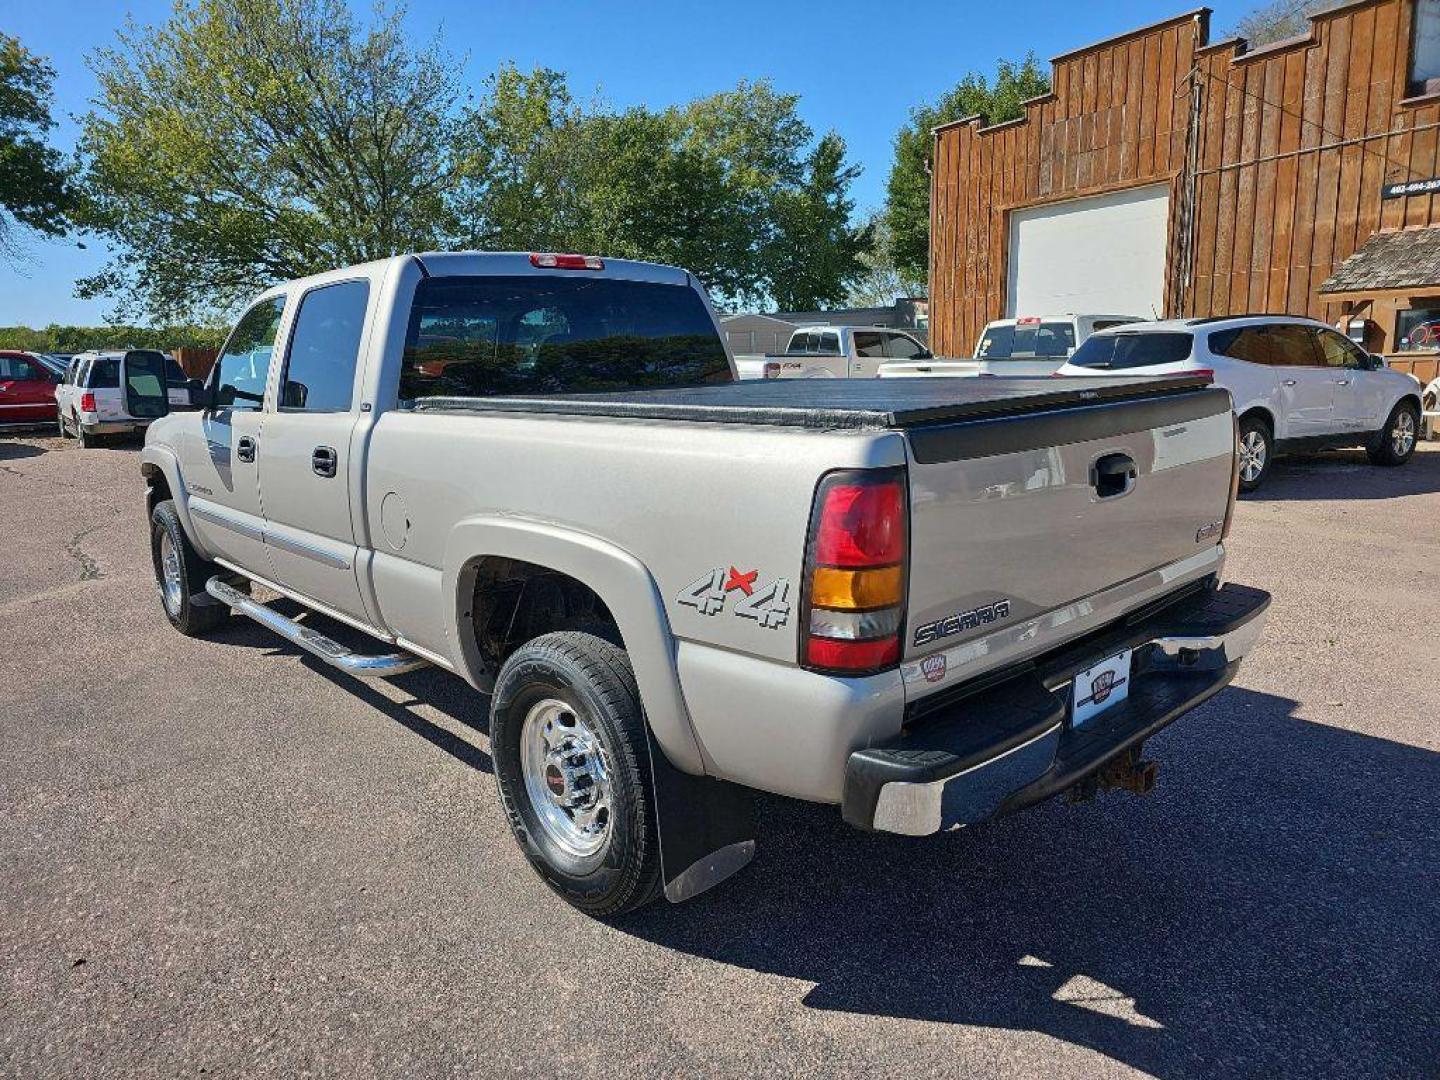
(171, 586)
(1252, 456)
(567, 777)
(1402, 438)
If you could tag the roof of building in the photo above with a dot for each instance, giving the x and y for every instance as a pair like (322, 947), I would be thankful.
(1405, 259)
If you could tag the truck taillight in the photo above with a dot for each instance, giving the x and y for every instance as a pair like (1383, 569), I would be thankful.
(854, 590)
(87, 402)
(548, 261)
(1234, 475)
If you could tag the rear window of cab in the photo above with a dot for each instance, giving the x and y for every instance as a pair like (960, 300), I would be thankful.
(1115, 352)
(1026, 340)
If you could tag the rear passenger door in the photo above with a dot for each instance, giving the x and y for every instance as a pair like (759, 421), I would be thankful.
(869, 353)
(305, 478)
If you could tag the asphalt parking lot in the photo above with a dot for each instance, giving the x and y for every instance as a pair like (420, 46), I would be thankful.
(219, 857)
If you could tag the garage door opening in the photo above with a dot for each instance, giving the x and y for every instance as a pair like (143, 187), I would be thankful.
(1099, 255)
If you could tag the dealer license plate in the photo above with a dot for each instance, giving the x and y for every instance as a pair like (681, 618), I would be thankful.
(1099, 688)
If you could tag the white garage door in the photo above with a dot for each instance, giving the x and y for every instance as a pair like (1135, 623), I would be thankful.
(1103, 255)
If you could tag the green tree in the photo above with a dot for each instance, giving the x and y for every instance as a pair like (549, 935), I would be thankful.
(881, 282)
(816, 254)
(1279, 19)
(908, 192)
(35, 192)
(248, 141)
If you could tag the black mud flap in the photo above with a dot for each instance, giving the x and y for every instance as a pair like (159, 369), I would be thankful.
(706, 827)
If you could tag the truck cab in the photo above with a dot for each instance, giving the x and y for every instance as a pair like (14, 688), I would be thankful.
(834, 352)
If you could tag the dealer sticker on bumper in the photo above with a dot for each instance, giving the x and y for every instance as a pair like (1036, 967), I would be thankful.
(1100, 687)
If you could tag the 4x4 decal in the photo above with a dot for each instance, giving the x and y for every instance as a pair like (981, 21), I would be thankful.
(766, 604)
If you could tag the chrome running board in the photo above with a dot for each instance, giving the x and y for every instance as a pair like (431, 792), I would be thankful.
(312, 641)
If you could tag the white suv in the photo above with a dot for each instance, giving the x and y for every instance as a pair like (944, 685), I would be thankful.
(91, 399)
(1296, 383)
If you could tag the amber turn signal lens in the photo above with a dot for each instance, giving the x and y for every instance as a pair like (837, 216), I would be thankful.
(852, 590)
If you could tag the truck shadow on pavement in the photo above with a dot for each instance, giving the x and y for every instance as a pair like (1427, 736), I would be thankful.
(1272, 909)
(1348, 474)
(427, 688)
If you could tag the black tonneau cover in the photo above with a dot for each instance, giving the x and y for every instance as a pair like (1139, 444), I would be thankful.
(854, 404)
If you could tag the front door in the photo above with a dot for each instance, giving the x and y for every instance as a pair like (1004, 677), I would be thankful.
(1359, 397)
(305, 476)
(219, 460)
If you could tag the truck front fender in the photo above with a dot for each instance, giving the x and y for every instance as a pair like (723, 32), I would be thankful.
(161, 460)
(620, 580)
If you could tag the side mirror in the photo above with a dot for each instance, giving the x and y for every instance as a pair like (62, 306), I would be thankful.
(145, 392)
(1375, 362)
(924, 354)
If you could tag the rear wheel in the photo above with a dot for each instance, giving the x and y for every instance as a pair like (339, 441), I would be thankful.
(1257, 447)
(1397, 438)
(572, 765)
(180, 574)
(87, 439)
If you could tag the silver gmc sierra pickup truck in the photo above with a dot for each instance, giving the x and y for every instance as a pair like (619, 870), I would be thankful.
(927, 602)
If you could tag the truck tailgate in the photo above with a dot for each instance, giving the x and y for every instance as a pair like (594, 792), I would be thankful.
(1018, 517)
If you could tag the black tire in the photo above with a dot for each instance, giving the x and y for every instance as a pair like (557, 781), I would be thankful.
(1253, 428)
(591, 678)
(190, 618)
(1396, 442)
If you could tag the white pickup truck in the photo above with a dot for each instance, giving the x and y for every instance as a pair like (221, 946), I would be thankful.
(926, 603)
(833, 352)
(1033, 345)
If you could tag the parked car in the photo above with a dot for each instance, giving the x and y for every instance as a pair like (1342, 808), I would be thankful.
(27, 390)
(833, 352)
(52, 363)
(91, 397)
(1297, 383)
(1035, 345)
(925, 602)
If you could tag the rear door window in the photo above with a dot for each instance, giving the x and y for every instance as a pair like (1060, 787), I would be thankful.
(869, 343)
(1292, 346)
(829, 343)
(325, 348)
(550, 334)
(1247, 343)
(1114, 352)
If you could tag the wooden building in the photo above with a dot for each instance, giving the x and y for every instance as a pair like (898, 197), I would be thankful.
(1167, 175)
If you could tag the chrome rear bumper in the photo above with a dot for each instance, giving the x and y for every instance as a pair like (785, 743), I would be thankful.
(1011, 745)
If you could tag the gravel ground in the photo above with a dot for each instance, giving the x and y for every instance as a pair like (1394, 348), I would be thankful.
(217, 857)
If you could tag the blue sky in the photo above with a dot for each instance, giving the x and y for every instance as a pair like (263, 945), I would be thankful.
(858, 67)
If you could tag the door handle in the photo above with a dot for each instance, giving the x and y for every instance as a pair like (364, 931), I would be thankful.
(323, 460)
(245, 448)
(1113, 474)
(1342, 382)
(1287, 382)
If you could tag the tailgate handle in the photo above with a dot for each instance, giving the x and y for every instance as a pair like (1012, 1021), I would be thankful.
(1112, 475)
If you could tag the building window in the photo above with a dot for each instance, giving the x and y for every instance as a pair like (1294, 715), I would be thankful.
(1425, 49)
(1418, 330)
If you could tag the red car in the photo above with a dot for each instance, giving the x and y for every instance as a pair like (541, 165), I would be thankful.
(27, 390)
